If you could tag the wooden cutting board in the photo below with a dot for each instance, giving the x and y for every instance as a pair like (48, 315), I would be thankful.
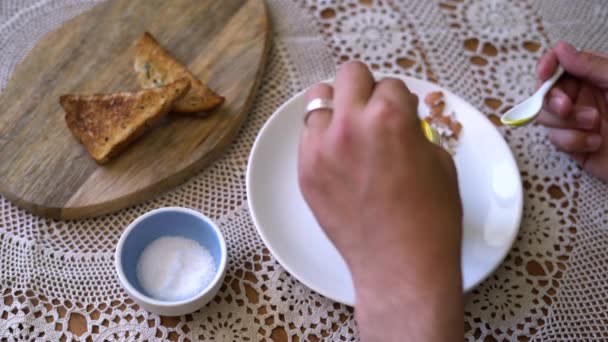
(46, 171)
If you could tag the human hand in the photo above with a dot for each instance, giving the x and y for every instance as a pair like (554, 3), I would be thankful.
(387, 198)
(576, 108)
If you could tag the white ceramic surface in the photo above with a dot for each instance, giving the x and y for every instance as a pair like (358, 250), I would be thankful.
(488, 178)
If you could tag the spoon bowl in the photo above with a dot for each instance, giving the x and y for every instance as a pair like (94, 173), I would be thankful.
(527, 111)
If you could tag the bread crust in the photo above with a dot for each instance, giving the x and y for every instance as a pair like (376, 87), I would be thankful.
(107, 123)
(156, 67)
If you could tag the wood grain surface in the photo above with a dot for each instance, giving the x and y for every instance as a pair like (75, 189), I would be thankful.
(46, 171)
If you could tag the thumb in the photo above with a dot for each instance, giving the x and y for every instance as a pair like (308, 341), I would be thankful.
(587, 66)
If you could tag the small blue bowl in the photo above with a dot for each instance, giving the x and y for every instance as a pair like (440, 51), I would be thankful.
(171, 221)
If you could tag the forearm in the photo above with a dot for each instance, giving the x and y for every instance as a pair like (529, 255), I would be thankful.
(405, 299)
(389, 201)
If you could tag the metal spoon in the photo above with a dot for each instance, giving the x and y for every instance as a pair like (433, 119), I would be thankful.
(528, 110)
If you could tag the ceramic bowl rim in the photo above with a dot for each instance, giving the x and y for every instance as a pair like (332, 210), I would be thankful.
(138, 295)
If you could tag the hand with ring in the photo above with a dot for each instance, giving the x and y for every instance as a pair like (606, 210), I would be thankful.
(389, 201)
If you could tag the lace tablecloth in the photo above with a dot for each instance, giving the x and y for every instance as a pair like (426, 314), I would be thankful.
(57, 279)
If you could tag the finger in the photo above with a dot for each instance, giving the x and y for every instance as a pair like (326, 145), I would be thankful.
(579, 158)
(583, 118)
(447, 161)
(318, 120)
(574, 141)
(547, 65)
(397, 94)
(596, 164)
(315, 125)
(352, 88)
(559, 103)
(590, 67)
(601, 101)
(309, 164)
(562, 96)
(585, 96)
(596, 53)
(569, 85)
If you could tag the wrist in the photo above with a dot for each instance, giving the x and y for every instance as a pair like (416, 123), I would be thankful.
(401, 271)
(397, 250)
(420, 300)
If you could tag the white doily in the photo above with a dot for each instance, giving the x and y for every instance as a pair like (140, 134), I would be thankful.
(57, 279)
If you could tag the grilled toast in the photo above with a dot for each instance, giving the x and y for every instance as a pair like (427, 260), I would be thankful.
(107, 123)
(156, 67)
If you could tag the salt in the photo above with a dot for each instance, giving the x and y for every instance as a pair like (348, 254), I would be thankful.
(174, 268)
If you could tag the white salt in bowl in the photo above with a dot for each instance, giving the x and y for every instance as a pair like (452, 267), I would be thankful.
(162, 222)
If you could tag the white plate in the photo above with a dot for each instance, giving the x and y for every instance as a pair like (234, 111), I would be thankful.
(488, 179)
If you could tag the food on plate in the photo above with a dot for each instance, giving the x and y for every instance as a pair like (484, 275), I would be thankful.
(435, 102)
(446, 125)
(107, 123)
(156, 67)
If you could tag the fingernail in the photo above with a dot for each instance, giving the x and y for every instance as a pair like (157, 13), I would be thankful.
(594, 141)
(587, 118)
(557, 92)
(556, 103)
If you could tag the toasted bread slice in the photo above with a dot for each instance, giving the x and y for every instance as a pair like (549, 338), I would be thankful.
(156, 67)
(107, 123)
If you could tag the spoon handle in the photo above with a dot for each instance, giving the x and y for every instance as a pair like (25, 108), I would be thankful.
(551, 81)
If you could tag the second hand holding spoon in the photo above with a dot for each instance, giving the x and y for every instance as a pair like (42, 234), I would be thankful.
(528, 110)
